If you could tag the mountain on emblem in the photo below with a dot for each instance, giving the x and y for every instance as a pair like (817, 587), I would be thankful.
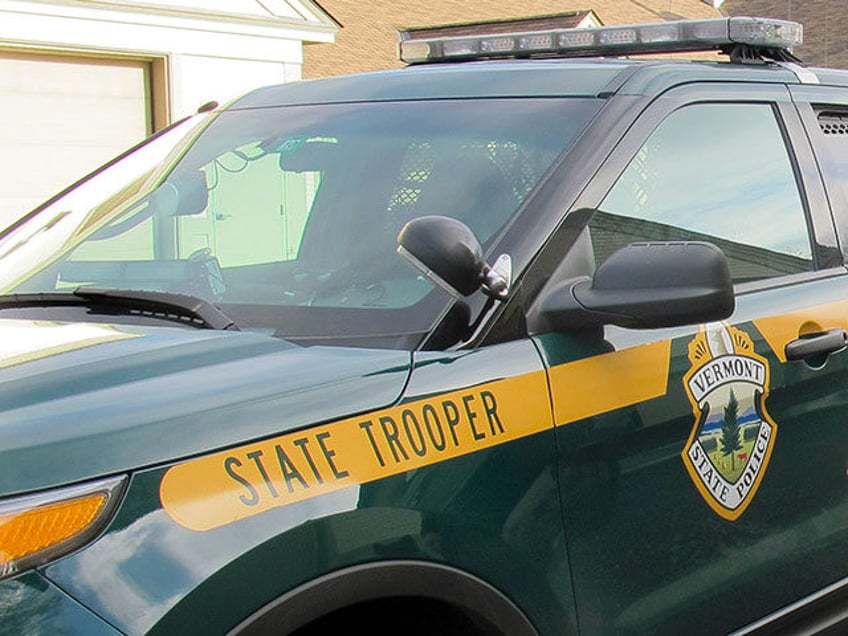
(733, 437)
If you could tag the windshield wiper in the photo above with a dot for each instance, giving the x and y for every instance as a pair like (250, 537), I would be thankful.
(155, 304)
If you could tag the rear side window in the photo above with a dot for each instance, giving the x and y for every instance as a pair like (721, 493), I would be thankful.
(717, 172)
(831, 142)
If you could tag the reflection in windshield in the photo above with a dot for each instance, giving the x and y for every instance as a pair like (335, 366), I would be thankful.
(287, 218)
(59, 224)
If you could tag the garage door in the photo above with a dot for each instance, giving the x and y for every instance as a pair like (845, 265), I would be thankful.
(60, 118)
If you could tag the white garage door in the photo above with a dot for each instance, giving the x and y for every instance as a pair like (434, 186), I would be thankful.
(60, 118)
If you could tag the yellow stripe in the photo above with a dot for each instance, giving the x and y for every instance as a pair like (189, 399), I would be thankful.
(224, 487)
(228, 486)
(780, 330)
(610, 381)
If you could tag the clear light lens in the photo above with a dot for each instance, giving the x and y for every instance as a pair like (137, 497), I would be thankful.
(536, 42)
(415, 51)
(460, 48)
(659, 33)
(577, 38)
(761, 32)
(619, 36)
(707, 31)
(35, 529)
(497, 45)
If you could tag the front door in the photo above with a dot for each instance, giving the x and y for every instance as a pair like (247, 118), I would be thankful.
(702, 469)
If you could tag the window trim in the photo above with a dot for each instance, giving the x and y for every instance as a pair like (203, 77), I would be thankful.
(808, 102)
(820, 225)
(635, 124)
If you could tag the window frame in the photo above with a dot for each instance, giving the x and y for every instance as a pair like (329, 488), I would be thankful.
(809, 101)
(818, 217)
(680, 186)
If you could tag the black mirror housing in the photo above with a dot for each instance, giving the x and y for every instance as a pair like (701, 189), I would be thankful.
(644, 286)
(446, 251)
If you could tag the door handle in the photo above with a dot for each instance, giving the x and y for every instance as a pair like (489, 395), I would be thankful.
(820, 344)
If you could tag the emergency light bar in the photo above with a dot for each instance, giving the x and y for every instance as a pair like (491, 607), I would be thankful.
(634, 39)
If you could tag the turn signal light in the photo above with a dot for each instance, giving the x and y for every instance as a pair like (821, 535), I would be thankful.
(36, 529)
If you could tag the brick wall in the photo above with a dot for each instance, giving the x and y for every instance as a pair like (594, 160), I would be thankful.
(825, 25)
(367, 40)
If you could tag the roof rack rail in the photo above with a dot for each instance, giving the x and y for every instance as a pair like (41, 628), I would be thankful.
(743, 38)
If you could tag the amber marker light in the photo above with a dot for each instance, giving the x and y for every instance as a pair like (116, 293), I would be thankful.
(36, 529)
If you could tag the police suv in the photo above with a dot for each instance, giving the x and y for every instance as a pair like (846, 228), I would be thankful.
(529, 337)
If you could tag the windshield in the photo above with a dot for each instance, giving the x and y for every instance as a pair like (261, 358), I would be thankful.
(287, 218)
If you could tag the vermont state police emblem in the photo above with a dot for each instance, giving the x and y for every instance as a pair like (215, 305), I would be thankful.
(731, 443)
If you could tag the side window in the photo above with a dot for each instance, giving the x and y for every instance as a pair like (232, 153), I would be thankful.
(715, 172)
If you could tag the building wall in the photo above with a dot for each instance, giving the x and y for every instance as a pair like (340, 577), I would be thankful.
(367, 40)
(189, 52)
(825, 25)
(246, 44)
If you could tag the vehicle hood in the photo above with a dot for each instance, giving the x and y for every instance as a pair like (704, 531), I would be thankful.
(80, 400)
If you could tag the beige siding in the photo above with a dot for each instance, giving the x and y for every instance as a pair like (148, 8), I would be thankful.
(63, 117)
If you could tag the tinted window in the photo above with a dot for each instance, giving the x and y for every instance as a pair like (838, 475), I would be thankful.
(712, 172)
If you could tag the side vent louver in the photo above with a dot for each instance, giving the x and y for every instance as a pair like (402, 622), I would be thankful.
(833, 122)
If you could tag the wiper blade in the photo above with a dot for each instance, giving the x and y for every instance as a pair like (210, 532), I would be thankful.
(167, 305)
(155, 302)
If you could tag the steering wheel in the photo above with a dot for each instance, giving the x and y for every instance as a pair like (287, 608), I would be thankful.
(200, 254)
(208, 271)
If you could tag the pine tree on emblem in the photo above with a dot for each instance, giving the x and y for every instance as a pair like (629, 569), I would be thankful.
(730, 442)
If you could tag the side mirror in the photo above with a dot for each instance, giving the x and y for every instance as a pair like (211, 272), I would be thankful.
(645, 286)
(447, 252)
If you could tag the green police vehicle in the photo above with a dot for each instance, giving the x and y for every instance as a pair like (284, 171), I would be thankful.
(538, 335)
